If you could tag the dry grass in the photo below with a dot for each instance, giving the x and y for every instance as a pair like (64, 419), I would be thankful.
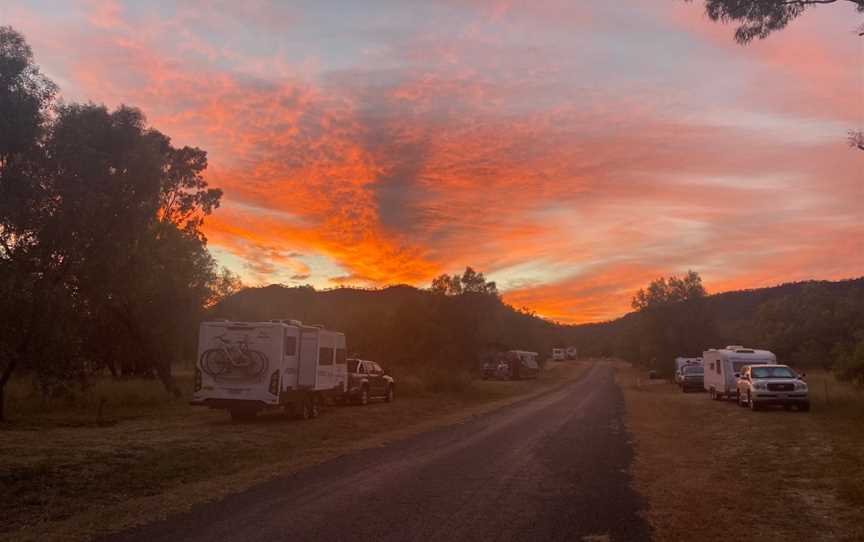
(714, 471)
(72, 475)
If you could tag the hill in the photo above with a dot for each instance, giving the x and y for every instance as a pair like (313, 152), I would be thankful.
(403, 326)
(806, 323)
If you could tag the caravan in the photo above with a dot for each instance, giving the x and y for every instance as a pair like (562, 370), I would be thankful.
(246, 367)
(723, 364)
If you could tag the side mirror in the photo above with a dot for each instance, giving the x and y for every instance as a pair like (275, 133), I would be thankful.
(802, 375)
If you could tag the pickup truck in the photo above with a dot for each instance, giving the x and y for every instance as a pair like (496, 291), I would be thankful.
(763, 385)
(367, 380)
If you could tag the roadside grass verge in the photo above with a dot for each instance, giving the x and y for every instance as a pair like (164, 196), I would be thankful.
(713, 471)
(72, 475)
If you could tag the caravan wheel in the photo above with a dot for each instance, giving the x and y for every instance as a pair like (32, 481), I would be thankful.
(314, 406)
(303, 410)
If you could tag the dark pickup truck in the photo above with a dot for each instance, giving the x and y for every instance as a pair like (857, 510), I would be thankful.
(367, 380)
(691, 377)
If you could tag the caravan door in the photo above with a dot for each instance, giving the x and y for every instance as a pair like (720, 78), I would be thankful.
(307, 373)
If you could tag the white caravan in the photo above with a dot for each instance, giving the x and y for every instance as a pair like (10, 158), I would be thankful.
(246, 367)
(558, 354)
(722, 364)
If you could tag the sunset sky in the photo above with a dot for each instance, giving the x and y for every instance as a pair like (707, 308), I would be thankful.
(573, 151)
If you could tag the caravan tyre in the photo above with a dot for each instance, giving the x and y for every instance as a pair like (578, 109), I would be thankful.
(303, 410)
(363, 399)
(391, 394)
(314, 407)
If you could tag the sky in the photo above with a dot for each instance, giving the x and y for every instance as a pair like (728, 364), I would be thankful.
(571, 151)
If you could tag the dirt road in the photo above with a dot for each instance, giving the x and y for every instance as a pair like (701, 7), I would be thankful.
(548, 468)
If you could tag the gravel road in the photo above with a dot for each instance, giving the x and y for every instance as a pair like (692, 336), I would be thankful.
(553, 467)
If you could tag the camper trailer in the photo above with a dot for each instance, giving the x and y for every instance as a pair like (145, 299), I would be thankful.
(247, 367)
(722, 364)
(558, 354)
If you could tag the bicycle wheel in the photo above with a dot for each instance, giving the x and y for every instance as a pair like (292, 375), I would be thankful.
(215, 362)
(257, 363)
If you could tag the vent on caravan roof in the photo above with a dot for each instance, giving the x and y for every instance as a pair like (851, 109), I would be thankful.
(734, 347)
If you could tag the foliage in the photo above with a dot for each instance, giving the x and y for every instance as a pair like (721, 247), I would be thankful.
(759, 18)
(103, 263)
(662, 292)
(468, 282)
(807, 324)
(407, 329)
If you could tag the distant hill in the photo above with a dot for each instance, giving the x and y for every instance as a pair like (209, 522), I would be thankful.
(402, 325)
(736, 318)
(409, 327)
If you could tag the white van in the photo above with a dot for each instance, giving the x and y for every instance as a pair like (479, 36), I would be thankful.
(558, 354)
(722, 364)
(246, 367)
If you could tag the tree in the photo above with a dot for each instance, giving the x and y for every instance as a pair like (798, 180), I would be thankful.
(103, 263)
(469, 282)
(25, 98)
(672, 320)
(759, 18)
(663, 291)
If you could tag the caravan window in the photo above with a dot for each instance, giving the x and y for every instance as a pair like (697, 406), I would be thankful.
(325, 355)
(290, 345)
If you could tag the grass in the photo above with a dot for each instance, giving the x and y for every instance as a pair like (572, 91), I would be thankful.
(72, 474)
(714, 471)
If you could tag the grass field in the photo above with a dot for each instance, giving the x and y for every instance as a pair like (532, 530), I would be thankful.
(714, 471)
(68, 473)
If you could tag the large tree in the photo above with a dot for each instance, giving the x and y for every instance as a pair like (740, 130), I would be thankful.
(103, 263)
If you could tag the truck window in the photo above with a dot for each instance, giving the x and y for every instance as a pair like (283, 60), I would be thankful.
(325, 355)
(340, 356)
(290, 345)
(376, 369)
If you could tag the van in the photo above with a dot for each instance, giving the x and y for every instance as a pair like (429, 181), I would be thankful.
(247, 367)
(721, 365)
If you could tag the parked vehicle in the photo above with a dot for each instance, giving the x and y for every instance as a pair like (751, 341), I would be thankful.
(558, 354)
(692, 378)
(722, 364)
(487, 371)
(522, 364)
(763, 385)
(681, 362)
(367, 380)
(572, 352)
(247, 367)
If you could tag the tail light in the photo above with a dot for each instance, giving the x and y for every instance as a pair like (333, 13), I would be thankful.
(197, 379)
(274, 382)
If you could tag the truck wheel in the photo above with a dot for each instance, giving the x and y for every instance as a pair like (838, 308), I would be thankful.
(363, 399)
(713, 393)
(391, 394)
